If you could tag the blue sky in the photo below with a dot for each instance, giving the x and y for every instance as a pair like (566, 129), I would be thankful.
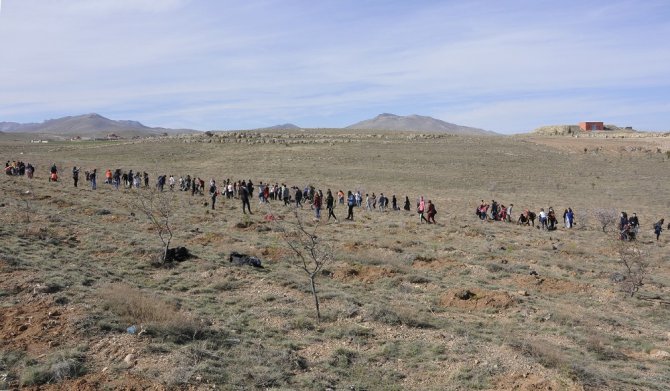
(507, 66)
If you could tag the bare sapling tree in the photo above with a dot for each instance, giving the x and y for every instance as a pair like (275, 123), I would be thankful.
(158, 207)
(311, 252)
(27, 198)
(636, 268)
(605, 217)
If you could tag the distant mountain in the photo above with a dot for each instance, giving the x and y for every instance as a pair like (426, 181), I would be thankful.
(88, 126)
(8, 126)
(283, 127)
(416, 123)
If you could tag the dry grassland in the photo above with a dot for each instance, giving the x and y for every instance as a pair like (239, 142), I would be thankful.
(406, 306)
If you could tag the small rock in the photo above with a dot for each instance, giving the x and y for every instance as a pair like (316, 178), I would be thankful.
(54, 314)
(53, 344)
(660, 354)
(617, 277)
(23, 327)
(533, 273)
(465, 295)
(105, 369)
(130, 359)
(554, 247)
(522, 293)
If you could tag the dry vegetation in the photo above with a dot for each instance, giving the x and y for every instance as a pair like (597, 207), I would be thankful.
(460, 305)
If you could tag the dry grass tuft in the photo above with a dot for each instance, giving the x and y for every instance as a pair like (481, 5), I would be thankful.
(156, 316)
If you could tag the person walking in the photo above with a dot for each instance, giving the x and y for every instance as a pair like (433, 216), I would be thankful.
(244, 195)
(298, 197)
(407, 205)
(286, 195)
(317, 203)
(543, 219)
(213, 192)
(658, 227)
(330, 204)
(54, 173)
(75, 175)
(421, 208)
(160, 183)
(431, 212)
(570, 218)
(634, 222)
(116, 179)
(351, 202)
(92, 178)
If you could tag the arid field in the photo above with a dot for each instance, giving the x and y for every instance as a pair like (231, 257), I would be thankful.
(459, 305)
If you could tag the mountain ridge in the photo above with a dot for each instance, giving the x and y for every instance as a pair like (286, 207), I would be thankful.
(90, 125)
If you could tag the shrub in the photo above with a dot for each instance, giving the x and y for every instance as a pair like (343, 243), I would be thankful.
(407, 316)
(66, 364)
(635, 266)
(605, 217)
(158, 317)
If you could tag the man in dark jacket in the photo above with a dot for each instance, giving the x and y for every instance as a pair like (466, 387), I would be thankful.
(330, 204)
(351, 202)
(75, 175)
(298, 197)
(244, 195)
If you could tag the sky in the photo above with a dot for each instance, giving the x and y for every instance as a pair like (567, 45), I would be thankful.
(509, 66)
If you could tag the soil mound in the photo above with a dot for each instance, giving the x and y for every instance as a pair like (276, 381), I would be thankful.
(366, 274)
(476, 299)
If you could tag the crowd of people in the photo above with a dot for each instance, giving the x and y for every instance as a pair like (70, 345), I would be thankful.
(628, 227)
(19, 168)
(244, 190)
(547, 219)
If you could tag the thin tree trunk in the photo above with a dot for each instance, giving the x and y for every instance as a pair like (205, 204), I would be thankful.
(316, 298)
(165, 253)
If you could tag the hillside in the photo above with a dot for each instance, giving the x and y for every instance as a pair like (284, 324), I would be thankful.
(415, 122)
(462, 304)
(88, 126)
